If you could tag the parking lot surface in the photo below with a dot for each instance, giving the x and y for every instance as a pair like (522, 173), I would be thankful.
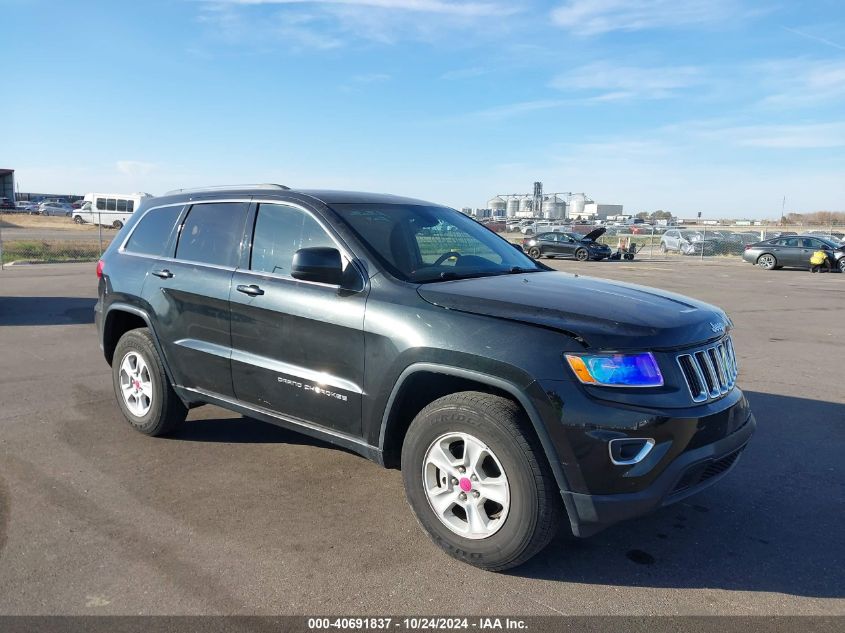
(236, 516)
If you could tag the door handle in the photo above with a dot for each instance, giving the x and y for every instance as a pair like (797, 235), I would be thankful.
(163, 274)
(252, 290)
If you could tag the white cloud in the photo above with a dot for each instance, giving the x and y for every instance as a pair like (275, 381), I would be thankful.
(419, 6)
(593, 17)
(799, 82)
(799, 136)
(135, 168)
(515, 109)
(613, 82)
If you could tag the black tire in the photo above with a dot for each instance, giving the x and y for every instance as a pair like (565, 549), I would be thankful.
(767, 261)
(117, 224)
(534, 252)
(78, 219)
(166, 410)
(535, 509)
(663, 248)
(842, 265)
(582, 255)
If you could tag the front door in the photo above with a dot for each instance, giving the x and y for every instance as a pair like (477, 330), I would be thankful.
(298, 346)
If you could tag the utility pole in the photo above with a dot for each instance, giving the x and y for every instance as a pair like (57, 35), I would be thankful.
(782, 211)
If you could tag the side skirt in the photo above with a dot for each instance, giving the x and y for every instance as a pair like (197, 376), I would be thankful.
(349, 442)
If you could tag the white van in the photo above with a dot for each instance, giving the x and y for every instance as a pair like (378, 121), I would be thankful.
(108, 209)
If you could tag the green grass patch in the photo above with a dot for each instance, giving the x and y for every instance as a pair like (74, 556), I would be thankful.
(50, 251)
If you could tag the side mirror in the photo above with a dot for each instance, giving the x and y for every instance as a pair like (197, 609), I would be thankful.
(320, 264)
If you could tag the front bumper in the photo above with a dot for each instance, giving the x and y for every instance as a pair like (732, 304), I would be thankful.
(689, 473)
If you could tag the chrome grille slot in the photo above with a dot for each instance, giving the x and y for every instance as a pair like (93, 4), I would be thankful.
(710, 372)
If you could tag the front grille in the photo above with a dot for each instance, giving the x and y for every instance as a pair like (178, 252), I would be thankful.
(710, 372)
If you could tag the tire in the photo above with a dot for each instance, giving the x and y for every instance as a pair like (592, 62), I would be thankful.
(78, 219)
(150, 406)
(582, 255)
(767, 261)
(663, 248)
(117, 224)
(499, 430)
(534, 252)
(842, 265)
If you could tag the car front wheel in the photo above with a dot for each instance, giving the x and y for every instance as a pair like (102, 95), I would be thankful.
(842, 265)
(582, 255)
(477, 480)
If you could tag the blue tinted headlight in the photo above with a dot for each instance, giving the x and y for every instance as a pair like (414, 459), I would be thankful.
(616, 370)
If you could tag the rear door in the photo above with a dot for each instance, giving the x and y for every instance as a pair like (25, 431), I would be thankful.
(298, 346)
(189, 296)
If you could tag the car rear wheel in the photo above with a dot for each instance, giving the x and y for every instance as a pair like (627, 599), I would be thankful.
(534, 252)
(767, 261)
(117, 224)
(663, 248)
(142, 388)
(477, 480)
(582, 255)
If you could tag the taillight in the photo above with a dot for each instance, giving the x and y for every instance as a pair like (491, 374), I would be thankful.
(100, 265)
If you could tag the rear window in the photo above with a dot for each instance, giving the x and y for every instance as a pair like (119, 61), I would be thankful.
(153, 231)
(212, 234)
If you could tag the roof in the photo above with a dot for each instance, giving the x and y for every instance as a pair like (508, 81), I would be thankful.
(326, 196)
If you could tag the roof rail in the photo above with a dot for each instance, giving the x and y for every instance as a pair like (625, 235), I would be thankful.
(228, 188)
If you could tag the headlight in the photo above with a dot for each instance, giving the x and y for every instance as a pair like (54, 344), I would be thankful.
(616, 370)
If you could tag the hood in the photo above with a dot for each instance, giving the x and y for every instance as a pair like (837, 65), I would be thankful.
(592, 236)
(607, 315)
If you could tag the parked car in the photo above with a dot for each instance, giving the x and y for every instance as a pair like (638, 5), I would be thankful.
(6, 203)
(25, 206)
(793, 252)
(55, 209)
(559, 244)
(686, 242)
(641, 229)
(515, 398)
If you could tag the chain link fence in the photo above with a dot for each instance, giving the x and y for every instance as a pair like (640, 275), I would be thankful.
(683, 243)
(28, 237)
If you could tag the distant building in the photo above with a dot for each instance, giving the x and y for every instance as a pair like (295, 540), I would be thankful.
(598, 211)
(7, 184)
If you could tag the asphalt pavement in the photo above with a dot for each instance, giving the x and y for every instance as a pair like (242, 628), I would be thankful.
(236, 516)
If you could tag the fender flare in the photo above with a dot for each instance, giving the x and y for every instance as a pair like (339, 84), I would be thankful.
(126, 307)
(493, 381)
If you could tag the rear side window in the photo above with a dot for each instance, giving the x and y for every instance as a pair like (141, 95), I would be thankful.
(212, 234)
(101, 204)
(111, 204)
(280, 231)
(153, 231)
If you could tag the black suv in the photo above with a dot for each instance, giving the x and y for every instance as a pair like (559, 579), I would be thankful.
(510, 395)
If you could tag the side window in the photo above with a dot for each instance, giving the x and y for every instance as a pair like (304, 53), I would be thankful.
(212, 233)
(101, 204)
(792, 241)
(111, 204)
(130, 206)
(280, 231)
(121, 206)
(153, 231)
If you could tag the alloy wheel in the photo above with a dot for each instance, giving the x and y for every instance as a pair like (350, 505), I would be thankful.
(466, 486)
(766, 261)
(136, 385)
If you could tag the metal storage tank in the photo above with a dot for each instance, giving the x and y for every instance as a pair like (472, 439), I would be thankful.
(513, 207)
(576, 205)
(554, 208)
(496, 204)
(526, 205)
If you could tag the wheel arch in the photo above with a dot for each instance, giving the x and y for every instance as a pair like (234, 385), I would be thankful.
(407, 399)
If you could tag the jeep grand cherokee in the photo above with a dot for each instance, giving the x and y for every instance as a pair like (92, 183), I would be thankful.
(510, 395)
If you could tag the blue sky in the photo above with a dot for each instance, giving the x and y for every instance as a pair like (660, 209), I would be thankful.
(719, 106)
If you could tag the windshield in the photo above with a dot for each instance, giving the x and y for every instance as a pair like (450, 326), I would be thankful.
(422, 244)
